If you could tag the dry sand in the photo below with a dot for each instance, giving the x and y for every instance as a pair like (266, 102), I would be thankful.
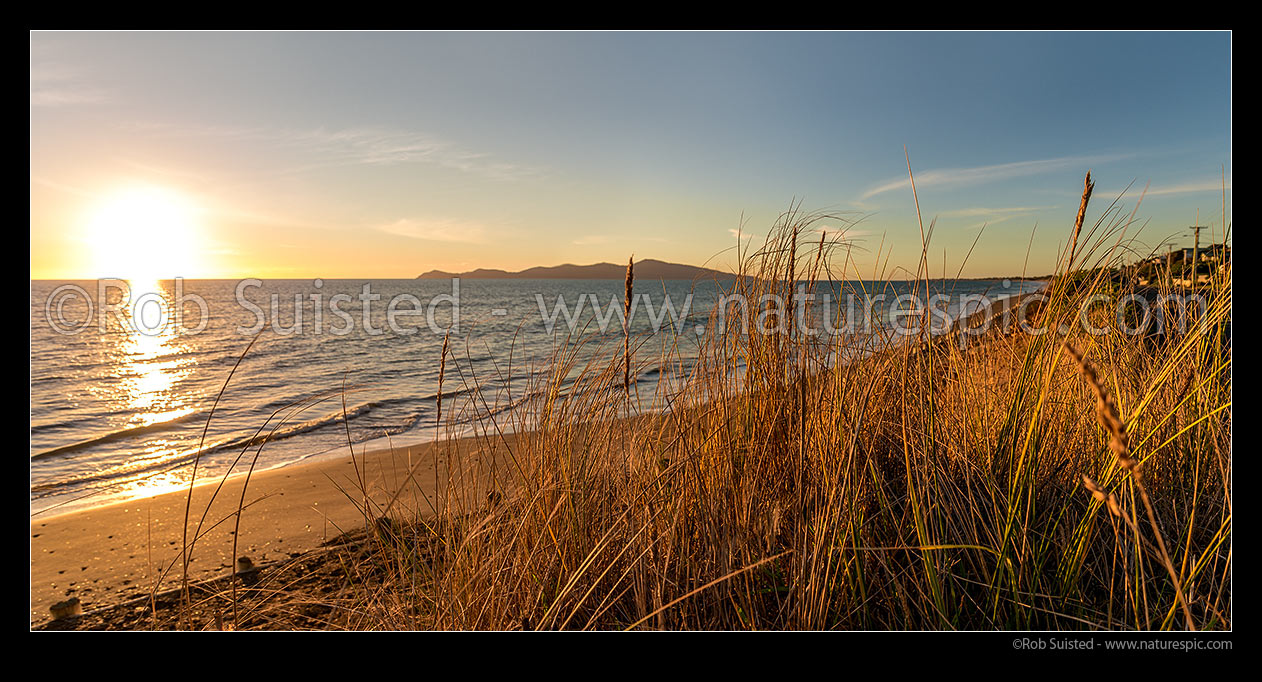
(113, 553)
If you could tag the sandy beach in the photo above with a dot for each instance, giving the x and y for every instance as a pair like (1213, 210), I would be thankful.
(115, 553)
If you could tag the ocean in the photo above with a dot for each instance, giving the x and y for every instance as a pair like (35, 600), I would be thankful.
(124, 375)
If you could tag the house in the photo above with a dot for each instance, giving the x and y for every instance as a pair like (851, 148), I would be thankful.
(1215, 253)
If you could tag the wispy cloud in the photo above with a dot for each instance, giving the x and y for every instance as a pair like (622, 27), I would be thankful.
(984, 211)
(741, 234)
(991, 222)
(60, 186)
(1184, 188)
(359, 146)
(955, 177)
(438, 230)
(374, 146)
(832, 231)
(58, 86)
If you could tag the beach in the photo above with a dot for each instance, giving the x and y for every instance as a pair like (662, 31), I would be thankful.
(116, 553)
(119, 552)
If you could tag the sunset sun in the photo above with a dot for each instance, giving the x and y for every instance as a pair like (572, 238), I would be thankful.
(143, 233)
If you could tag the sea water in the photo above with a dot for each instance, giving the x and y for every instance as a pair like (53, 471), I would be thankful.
(125, 375)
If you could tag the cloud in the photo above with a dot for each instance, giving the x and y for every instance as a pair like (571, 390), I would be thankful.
(58, 86)
(840, 232)
(1011, 211)
(955, 177)
(1185, 188)
(993, 215)
(440, 230)
(359, 146)
(741, 234)
(991, 222)
(60, 186)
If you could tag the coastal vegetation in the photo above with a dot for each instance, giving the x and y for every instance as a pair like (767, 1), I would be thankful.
(1057, 480)
(1061, 461)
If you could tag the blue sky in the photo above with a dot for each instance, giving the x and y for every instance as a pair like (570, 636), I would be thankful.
(381, 154)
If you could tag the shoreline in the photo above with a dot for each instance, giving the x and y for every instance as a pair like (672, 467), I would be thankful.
(117, 552)
(106, 496)
(53, 499)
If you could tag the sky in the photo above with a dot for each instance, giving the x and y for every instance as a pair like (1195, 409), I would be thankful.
(303, 155)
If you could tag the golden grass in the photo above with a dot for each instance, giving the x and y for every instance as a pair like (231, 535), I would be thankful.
(929, 486)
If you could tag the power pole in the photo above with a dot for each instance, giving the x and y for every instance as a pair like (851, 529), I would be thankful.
(1196, 244)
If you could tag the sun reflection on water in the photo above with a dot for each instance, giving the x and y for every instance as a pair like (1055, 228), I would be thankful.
(154, 357)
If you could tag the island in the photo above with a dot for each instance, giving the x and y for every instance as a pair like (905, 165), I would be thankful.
(644, 269)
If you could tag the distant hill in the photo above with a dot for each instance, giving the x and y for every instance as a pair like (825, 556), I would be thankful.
(645, 269)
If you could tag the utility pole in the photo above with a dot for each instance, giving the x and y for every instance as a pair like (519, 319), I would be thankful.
(1196, 243)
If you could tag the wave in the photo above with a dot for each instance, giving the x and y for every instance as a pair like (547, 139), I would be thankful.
(285, 432)
(172, 460)
(115, 435)
(175, 459)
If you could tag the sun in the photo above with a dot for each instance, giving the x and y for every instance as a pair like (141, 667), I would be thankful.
(144, 234)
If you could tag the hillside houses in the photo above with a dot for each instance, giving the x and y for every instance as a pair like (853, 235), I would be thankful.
(1177, 265)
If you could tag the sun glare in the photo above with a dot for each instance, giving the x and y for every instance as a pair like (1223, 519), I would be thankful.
(145, 233)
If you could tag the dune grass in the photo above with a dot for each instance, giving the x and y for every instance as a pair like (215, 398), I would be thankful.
(1016, 481)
